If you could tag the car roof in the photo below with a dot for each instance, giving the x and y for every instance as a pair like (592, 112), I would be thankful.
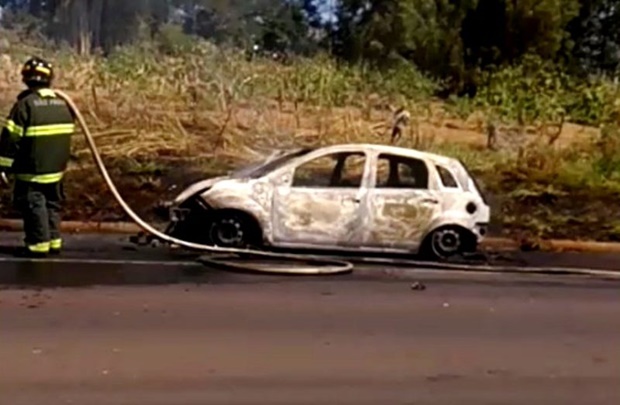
(396, 150)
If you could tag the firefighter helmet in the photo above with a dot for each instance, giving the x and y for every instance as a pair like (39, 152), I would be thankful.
(37, 71)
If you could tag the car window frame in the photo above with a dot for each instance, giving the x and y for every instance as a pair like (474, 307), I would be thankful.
(399, 158)
(458, 186)
(263, 168)
(292, 168)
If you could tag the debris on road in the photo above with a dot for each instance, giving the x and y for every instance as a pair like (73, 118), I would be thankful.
(418, 286)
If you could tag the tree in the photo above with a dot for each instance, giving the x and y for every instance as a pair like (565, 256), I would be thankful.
(272, 24)
(90, 24)
(596, 37)
(454, 40)
(424, 32)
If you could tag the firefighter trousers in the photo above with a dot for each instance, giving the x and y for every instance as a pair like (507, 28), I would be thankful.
(40, 205)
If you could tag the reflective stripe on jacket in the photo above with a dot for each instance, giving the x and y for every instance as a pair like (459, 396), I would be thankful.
(35, 143)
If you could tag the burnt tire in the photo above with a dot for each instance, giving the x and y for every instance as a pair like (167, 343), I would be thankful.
(447, 242)
(231, 229)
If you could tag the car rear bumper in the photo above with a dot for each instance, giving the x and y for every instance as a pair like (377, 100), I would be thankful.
(482, 229)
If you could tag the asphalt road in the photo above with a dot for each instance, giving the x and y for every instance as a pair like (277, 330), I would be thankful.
(311, 342)
(208, 337)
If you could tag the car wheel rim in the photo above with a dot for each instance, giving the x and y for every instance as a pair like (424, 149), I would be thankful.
(446, 242)
(229, 232)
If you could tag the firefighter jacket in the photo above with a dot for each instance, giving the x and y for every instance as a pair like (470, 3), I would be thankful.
(35, 143)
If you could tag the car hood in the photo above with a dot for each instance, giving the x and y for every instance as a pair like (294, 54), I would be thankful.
(241, 175)
(198, 187)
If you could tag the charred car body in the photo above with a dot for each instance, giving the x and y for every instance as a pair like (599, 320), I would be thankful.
(343, 197)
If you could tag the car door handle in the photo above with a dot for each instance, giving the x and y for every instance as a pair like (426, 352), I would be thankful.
(430, 201)
(355, 200)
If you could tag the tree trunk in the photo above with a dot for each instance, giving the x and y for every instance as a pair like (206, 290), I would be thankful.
(77, 22)
(83, 33)
(91, 24)
(72, 26)
(96, 19)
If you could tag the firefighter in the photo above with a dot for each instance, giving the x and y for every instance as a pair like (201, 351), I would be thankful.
(35, 148)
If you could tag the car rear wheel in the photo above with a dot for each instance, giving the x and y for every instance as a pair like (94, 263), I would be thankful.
(447, 242)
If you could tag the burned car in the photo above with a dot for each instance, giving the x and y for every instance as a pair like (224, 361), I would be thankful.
(353, 197)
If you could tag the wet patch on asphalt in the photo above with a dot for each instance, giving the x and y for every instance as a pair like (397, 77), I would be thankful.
(93, 260)
(83, 272)
(80, 274)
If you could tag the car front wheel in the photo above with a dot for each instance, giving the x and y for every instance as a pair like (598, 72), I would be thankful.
(233, 230)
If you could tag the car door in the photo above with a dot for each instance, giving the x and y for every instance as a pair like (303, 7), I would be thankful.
(320, 203)
(402, 203)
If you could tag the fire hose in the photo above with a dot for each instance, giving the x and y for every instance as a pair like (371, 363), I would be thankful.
(321, 266)
(302, 264)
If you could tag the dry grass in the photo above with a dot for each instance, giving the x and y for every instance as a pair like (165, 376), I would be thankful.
(213, 102)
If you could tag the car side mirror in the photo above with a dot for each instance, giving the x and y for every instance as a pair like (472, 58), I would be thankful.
(284, 179)
(281, 177)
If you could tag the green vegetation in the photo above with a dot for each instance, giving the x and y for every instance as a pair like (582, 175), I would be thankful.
(173, 108)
